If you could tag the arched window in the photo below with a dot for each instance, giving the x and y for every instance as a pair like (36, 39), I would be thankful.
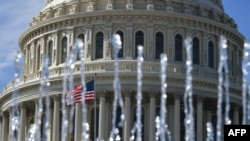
(64, 49)
(99, 45)
(139, 40)
(120, 53)
(211, 54)
(196, 51)
(159, 44)
(50, 52)
(178, 47)
(82, 38)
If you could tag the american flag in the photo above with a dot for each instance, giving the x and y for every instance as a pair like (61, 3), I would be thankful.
(78, 92)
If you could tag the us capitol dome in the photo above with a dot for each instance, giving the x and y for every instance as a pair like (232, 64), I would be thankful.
(160, 26)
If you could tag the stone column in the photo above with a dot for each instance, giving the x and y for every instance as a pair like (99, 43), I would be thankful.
(78, 122)
(88, 45)
(23, 124)
(171, 118)
(56, 119)
(199, 119)
(26, 65)
(107, 51)
(36, 64)
(152, 117)
(10, 124)
(204, 50)
(4, 136)
(127, 120)
(209, 116)
(170, 43)
(128, 49)
(236, 114)
(37, 112)
(177, 118)
(102, 117)
(149, 44)
(32, 60)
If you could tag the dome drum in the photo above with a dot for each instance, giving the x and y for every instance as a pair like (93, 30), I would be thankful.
(160, 26)
(189, 7)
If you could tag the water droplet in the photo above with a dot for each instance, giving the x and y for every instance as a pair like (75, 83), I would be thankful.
(72, 66)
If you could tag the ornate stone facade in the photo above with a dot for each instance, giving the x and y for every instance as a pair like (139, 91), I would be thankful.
(160, 26)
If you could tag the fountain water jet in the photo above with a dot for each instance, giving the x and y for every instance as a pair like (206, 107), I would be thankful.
(137, 129)
(162, 127)
(44, 84)
(246, 84)
(114, 135)
(15, 115)
(188, 95)
(223, 85)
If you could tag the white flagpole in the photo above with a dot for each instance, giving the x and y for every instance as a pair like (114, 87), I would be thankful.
(95, 108)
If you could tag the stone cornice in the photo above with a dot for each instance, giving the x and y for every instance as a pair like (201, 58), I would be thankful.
(171, 6)
(159, 17)
(201, 81)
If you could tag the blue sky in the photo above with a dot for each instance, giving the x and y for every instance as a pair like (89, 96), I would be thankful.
(15, 16)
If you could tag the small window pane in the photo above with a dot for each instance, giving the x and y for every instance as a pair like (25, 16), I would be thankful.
(196, 51)
(178, 48)
(139, 40)
(159, 43)
(99, 45)
(64, 49)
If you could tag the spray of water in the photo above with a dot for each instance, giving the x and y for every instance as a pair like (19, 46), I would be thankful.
(15, 115)
(138, 123)
(68, 77)
(161, 124)
(44, 84)
(118, 101)
(246, 84)
(188, 95)
(210, 132)
(223, 87)
(162, 127)
(65, 121)
(79, 47)
(137, 129)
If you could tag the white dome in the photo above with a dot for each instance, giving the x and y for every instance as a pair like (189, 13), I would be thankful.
(54, 3)
(215, 4)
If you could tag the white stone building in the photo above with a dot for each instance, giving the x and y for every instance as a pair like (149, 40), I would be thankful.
(161, 27)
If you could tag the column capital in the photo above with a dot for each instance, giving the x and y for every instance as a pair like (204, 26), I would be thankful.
(200, 98)
(4, 114)
(22, 105)
(36, 100)
(102, 93)
(56, 98)
(236, 107)
(177, 96)
(153, 94)
(127, 92)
